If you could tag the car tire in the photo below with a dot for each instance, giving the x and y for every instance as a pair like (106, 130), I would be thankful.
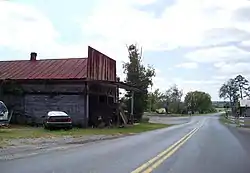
(68, 128)
(45, 127)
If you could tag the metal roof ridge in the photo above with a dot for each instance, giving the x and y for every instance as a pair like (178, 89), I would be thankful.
(26, 60)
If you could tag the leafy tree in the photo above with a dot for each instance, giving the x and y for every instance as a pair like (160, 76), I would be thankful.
(242, 84)
(155, 100)
(198, 101)
(173, 99)
(229, 90)
(140, 76)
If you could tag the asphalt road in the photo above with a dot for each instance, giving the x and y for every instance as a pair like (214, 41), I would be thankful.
(205, 146)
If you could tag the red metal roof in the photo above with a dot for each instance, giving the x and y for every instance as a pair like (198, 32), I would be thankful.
(73, 68)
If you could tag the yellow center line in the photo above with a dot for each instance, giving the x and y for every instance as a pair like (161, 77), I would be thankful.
(160, 161)
(145, 165)
(166, 153)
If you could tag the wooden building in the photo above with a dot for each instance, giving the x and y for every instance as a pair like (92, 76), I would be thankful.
(85, 88)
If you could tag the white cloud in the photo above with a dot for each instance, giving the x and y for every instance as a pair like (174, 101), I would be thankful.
(218, 54)
(142, 2)
(24, 28)
(183, 24)
(245, 43)
(234, 68)
(128, 25)
(188, 65)
(186, 23)
(200, 82)
(209, 86)
(192, 23)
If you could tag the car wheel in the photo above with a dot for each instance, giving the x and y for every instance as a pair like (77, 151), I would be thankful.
(68, 128)
(45, 127)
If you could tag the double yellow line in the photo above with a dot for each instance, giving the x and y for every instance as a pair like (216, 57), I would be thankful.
(156, 161)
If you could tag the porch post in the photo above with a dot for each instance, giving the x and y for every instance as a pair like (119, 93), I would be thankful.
(87, 104)
(1, 89)
(132, 107)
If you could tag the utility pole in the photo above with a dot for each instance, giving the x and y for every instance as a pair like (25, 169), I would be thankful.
(150, 100)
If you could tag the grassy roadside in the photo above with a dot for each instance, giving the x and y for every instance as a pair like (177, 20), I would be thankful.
(165, 115)
(21, 132)
(224, 120)
(175, 115)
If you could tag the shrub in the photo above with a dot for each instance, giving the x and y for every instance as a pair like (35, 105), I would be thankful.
(145, 120)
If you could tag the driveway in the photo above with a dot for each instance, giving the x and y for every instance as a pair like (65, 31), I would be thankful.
(169, 120)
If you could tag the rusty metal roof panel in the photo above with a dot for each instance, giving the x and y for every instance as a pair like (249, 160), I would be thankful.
(73, 68)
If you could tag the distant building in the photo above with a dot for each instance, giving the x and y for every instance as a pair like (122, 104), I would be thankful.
(220, 104)
(244, 105)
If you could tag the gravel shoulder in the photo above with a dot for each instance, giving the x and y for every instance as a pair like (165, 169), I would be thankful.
(20, 141)
(26, 147)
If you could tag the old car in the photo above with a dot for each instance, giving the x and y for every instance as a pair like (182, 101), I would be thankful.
(57, 119)
(3, 113)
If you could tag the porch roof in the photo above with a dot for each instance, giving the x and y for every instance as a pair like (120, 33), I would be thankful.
(119, 84)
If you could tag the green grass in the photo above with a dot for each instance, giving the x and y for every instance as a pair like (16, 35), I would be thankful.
(30, 132)
(3, 143)
(205, 114)
(224, 120)
(220, 109)
(175, 115)
(165, 115)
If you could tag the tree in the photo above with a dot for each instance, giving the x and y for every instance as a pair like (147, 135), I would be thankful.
(173, 99)
(139, 76)
(242, 84)
(155, 100)
(198, 101)
(229, 90)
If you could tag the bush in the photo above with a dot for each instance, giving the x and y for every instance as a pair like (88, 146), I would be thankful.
(145, 120)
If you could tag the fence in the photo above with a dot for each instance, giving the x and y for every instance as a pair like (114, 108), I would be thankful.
(244, 121)
(232, 119)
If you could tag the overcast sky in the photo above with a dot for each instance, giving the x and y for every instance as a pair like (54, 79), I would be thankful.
(196, 44)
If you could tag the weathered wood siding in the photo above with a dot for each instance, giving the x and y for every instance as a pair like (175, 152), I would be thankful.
(59, 88)
(100, 66)
(38, 99)
(39, 105)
